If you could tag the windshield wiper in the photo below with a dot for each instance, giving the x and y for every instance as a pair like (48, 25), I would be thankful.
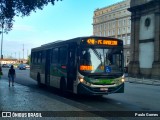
(97, 54)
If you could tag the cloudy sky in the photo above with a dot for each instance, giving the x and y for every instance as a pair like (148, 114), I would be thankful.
(66, 19)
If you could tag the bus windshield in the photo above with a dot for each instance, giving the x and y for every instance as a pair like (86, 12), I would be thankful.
(101, 60)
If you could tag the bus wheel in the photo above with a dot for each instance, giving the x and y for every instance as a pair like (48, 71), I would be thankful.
(63, 86)
(39, 80)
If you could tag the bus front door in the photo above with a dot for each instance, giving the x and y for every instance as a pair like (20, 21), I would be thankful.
(71, 68)
(47, 68)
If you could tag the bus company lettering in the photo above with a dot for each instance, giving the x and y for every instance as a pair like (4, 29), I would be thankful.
(34, 115)
(15, 114)
(102, 42)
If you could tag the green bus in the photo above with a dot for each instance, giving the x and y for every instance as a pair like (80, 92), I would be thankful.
(89, 65)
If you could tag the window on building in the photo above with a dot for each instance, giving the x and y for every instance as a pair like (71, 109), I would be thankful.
(104, 33)
(119, 31)
(99, 28)
(119, 37)
(113, 24)
(124, 40)
(110, 25)
(129, 22)
(128, 39)
(102, 27)
(120, 23)
(109, 33)
(107, 25)
(124, 22)
(113, 32)
(124, 30)
(129, 29)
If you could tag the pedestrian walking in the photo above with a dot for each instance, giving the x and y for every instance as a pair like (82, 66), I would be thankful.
(1, 73)
(11, 75)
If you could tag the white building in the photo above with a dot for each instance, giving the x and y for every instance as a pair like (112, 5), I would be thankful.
(114, 21)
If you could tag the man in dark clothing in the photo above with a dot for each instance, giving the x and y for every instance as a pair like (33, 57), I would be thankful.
(11, 75)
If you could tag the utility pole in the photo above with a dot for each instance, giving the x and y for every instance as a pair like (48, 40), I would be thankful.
(2, 39)
(23, 51)
(19, 57)
(27, 53)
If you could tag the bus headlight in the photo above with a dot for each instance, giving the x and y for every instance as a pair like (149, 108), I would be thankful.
(123, 78)
(83, 81)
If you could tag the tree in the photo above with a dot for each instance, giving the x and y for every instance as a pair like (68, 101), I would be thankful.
(11, 8)
(29, 60)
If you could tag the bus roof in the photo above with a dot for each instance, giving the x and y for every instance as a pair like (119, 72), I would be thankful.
(76, 40)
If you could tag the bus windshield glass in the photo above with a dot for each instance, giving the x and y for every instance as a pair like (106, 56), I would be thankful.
(101, 60)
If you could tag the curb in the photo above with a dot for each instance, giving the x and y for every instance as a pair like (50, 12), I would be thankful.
(143, 81)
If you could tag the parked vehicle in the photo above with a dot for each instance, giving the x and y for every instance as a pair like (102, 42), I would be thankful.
(27, 66)
(22, 67)
(6, 65)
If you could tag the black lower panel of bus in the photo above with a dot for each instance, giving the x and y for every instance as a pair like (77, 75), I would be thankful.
(83, 89)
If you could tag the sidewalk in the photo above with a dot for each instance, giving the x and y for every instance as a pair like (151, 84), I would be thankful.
(22, 98)
(143, 81)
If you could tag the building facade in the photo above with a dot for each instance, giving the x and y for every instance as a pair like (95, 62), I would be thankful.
(114, 21)
(12, 61)
(145, 38)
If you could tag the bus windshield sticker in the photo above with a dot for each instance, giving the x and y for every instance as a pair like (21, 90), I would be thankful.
(86, 67)
(108, 69)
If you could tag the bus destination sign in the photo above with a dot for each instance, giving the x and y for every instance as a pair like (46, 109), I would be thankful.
(101, 42)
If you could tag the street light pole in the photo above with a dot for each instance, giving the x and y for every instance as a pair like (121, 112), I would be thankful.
(23, 51)
(2, 41)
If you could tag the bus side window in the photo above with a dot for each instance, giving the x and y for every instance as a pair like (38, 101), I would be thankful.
(43, 57)
(71, 58)
(63, 55)
(55, 55)
(32, 57)
(35, 57)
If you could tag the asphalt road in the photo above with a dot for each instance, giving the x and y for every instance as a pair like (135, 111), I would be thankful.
(137, 97)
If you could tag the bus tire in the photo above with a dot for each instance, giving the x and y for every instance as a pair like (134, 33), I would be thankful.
(39, 80)
(63, 86)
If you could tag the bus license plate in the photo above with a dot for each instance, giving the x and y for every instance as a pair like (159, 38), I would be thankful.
(103, 89)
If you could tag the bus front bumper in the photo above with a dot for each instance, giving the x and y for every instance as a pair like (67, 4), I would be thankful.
(86, 90)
